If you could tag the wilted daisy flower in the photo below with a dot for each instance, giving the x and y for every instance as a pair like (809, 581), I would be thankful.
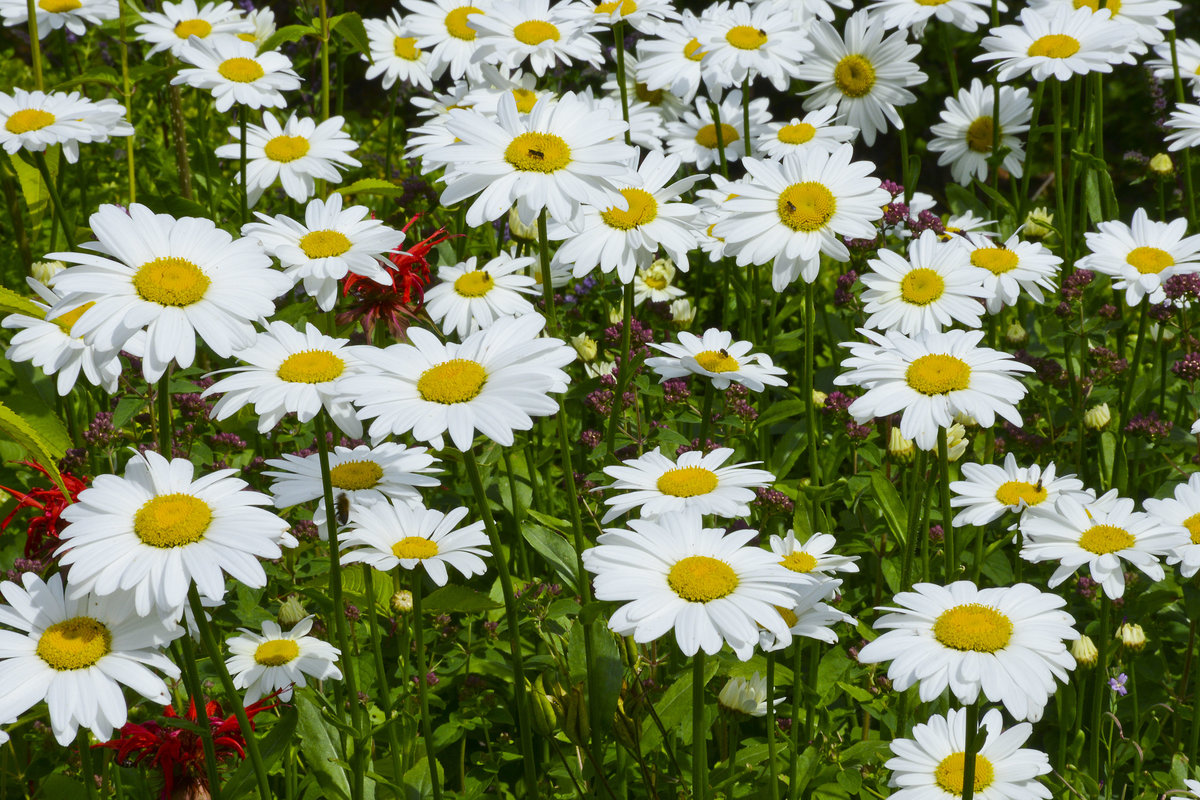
(174, 278)
(671, 59)
(654, 283)
(746, 696)
(709, 587)
(964, 136)
(1006, 642)
(788, 213)
(289, 372)
(813, 556)
(1141, 257)
(50, 15)
(262, 663)
(1146, 19)
(49, 345)
(296, 154)
(395, 54)
(545, 34)
(1067, 41)
(493, 383)
(716, 356)
(332, 242)
(965, 15)
(441, 28)
(390, 535)
(1183, 509)
(989, 491)
(863, 73)
(745, 41)
(155, 531)
(694, 482)
(813, 132)
(172, 26)
(933, 288)
(235, 72)
(644, 16)
(930, 764)
(1184, 126)
(75, 652)
(563, 153)
(693, 138)
(1012, 267)
(1187, 53)
(469, 297)
(932, 379)
(1103, 534)
(33, 121)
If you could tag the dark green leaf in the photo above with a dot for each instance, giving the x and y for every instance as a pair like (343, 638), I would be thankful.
(454, 598)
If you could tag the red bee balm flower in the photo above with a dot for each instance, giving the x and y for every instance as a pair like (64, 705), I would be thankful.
(43, 529)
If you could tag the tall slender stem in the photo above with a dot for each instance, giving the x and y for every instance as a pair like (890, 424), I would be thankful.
(423, 682)
(624, 369)
(325, 40)
(947, 518)
(382, 689)
(773, 768)
(618, 30)
(719, 133)
(179, 135)
(244, 199)
(1188, 193)
(127, 96)
(163, 400)
(972, 749)
(1100, 697)
(746, 113)
(797, 689)
(699, 732)
(60, 211)
(87, 768)
(706, 414)
(191, 681)
(808, 381)
(35, 45)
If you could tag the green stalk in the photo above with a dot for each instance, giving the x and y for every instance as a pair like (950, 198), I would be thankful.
(808, 380)
(35, 45)
(1060, 179)
(699, 734)
(969, 755)
(947, 518)
(1100, 697)
(706, 412)
(1038, 94)
(773, 769)
(1180, 97)
(244, 199)
(618, 30)
(797, 689)
(179, 135)
(715, 111)
(1121, 469)
(86, 768)
(422, 684)
(382, 689)
(60, 211)
(163, 400)
(624, 369)
(191, 680)
(914, 518)
(746, 113)
(127, 95)
(325, 39)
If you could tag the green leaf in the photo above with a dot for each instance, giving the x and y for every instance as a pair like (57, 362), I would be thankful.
(350, 27)
(175, 206)
(13, 303)
(675, 706)
(317, 746)
(373, 186)
(890, 505)
(16, 428)
(288, 33)
(272, 746)
(455, 598)
(33, 188)
(778, 412)
(60, 787)
(555, 549)
(105, 75)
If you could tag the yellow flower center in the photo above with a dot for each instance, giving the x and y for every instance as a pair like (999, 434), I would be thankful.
(931, 2)
(240, 70)
(980, 134)
(324, 244)
(59, 6)
(286, 148)
(646, 95)
(456, 23)
(172, 520)
(170, 281)
(996, 260)
(414, 547)
(1149, 260)
(476, 283)
(311, 366)
(406, 47)
(28, 119)
(1102, 539)
(655, 281)
(717, 361)
(68, 320)
(355, 476)
(247, 37)
(455, 381)
(627, 7)
(535, 31)
(526, 100)
(538, 152)
(854, 76)
(921, 286)
(643, 208)
(799, 561)
(1054, 45)
(806, 207)
(949, 773)
(973, 626)
(707, 136)
(193, 27)
(277, 652)
(1112, 5)
(800, 133)
(75, 643)
(938, 374)
(746, 37)
(1192, 523)
(691, 50)
(1012, 493)
(700, 579)
(687, 481)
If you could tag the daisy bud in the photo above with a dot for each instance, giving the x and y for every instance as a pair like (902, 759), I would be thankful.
(625, 728)
(1037, 223)
(956, 441)
(899, 448)
(585, 346)
(1132, 636)
(661, 268)
(43, 271)
(519, 230)
(1085, 652)
(742, 696)
(1162, 165)
(966, 420)
(545, 718)
(1097, 417)
(1015, 334)
(615, 315)
(819, 398)
(682, 312)
(402, 601)
(291, 612)
(575, 723)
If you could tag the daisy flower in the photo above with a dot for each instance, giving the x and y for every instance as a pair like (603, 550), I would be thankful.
(50, 15)
(1183, 509)
(803, 135)
(172, 27)
(49, 345)
(671, 59)
(744, 42)
(1012, 267)
(274, 660)
(746, 696)
(788, 213)
(709, 587)
(664, 105)
(395, 54)
(1069, 41)
(1142, 256)
(964, 136)
(155, 531)
(1103, 534)
(716, 356)
(289, 372)
(863, 73)
(654, 283)
(930, 765)
(809, 616)
(469, 298)
(76, 652)
(546, 35)
(174, 279)
(1187, 52)
(563, 153)
(442, 28)
(644, 16)
(1146, 19)
(694, 482)
(262, 25)
(1184, 126)
(389, 535)
(966, 15)
(495, 81)
(1006, 642)
(932, 379)
(988, 490)
(295, 154)
(493, 383)
(332, 242)
(627, 239)
(235, 72)
(33, 121)
(933, 288)
(693, 138)
(813, 556)
(363, 474)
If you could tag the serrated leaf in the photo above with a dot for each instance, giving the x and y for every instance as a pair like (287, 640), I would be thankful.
(460, 599)
(16, 428)
(350, 27)
(13, 303)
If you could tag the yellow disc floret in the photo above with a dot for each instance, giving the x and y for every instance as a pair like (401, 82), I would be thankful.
(172, 520)
(311, 366)
(241, 70)
(476, 283)
(406, 47)
(28, 119)
(799, 561)
(67, 321)
(921, 286)
(456, 23)
(643, 208)
(950, 773)
(996, 260)
(746, 37)
(701, 579)
(687, 481)
(286, 148)
(455, 381)
(707, 136)
(974, 627)
(324, 244)
(1103, 539)
(415, 547)
(538, 152)
(1054, 45)
(277, 652)
(170, 281)
(1149, 260)
(354, 476)
(75, 643)
(1012, 493)
(717, 361)
(535, 31)
(193, 27)
(800, 133)
(854, 76)
(938, 374)
(59, 6)
(980, 134)
(806, 207)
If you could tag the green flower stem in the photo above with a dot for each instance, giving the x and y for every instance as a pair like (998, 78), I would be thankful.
(808, 380)
(624, 369)
(60, 211)
(391, 123)
(423, 686)
(699, 733)
(618, 30)
(514, 625)
(244, 201)
(35, 45)
(746, 113)
(715, 110)
(1194, 734)
(127, 96)
(944, 32)
(179, 135)
(163, 400)
(969, 755)
(914, 518)
(186, 655)
(325, 40)
(87, 768)
(706, 407)
(1062, 218)
(1038, 94)
(798, 688)
(773, 768)
(234, 696)
(947, 518)
(1100, 697)
(1188, 193)
(382, 689)
(1121, 467)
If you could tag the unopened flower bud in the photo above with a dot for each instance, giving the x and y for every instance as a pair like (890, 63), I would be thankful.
(616, 315)
(899, 448)
(575, 721)
(1037, 223)
(519, 230)
(1015, 334)
(585, 346)
(545, 717)
(625, 728)
(1132, 636)
(402, 601)
(43, 271)
(956, 441)
(682, 312)
(819, 398)
(1162, 165)
(1085, 652)
(291, 612)
(1097, 417)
